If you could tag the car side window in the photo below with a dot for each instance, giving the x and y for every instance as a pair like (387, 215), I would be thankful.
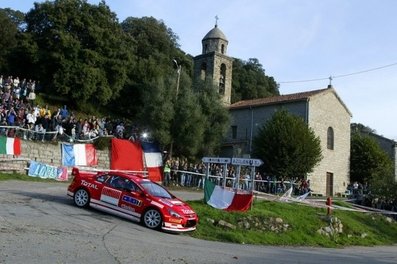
(102, 178)
(131, 186)
(118, 182)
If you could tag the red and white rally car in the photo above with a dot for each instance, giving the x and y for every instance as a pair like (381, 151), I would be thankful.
(133, 197)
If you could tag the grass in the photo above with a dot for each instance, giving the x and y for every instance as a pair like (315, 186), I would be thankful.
(22, 177)
(362, 229)
(303, 222)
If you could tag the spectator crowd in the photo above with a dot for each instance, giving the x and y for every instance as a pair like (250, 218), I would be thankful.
(180, 172)
(20, 114)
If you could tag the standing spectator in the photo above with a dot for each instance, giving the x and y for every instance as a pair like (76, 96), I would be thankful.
(46, 125)
(16, 82)
(64, 112)
(11, 117)
(120, 130)
(31, 120)
(86, 129)
(79, 129)
(167, 173)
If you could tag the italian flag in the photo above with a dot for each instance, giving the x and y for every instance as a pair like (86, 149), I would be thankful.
(226, 198)
(10, 146)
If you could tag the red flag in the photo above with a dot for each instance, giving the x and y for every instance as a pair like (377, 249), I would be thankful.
(126, 155)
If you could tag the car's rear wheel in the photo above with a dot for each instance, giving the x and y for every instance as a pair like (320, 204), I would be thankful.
(81, 198)
(152, 219)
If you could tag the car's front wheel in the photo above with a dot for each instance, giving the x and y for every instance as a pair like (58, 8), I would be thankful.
(81, 198)
(152, 219)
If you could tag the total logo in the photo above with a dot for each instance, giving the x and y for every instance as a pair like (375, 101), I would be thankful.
(89, 185)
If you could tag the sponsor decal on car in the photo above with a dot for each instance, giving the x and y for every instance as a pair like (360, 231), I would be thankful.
(176, 202)
(89, 184)
(127, 207)
(157, 204)
(175, 220)
(166, 202)
(111, 196)
(187, 211)
(132, 200)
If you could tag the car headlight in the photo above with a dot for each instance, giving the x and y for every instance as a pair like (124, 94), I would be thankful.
(174, 214)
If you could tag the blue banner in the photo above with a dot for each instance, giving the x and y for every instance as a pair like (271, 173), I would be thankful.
(45, 171)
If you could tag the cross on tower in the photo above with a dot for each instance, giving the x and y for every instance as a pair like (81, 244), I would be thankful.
(216, 20)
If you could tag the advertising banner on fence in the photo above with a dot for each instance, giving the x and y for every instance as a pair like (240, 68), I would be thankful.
(37, 169)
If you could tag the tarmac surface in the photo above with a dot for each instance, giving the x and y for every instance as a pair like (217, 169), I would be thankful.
(40, 224)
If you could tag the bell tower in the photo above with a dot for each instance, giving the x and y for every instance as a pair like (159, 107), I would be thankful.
(213, 63)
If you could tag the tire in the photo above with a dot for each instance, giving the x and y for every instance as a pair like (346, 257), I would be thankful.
(81, 198)
(152, 219)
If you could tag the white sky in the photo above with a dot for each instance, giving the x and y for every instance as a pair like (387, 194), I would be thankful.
(294, 40)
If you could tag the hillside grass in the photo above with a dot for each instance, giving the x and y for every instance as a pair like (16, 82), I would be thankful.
(359, 229)
(303, 221)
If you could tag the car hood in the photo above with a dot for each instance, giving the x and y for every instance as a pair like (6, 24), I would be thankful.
(176, 205)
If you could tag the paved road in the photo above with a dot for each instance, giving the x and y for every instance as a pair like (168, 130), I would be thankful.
(40, 224)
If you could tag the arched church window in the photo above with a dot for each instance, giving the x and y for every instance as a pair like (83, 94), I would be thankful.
(222, 78)
(330, 138)
(223, 48)
(203, 71)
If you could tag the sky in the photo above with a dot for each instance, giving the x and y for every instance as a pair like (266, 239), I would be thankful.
(301, 43)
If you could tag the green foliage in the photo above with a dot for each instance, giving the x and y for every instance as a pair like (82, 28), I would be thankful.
(287, 146)
(250, 81)
(217, 119)
(189, 122)
(158, 111)
(83, 53)
(303, 222)
(80, 52)
(357, 127)
(8, 33)
(368, 161)
(370, 164)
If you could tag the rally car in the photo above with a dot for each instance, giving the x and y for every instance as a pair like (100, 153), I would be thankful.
(133, 197)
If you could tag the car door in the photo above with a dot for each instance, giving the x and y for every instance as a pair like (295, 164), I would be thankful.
(97, 185)
(132, 198)
(112, 190)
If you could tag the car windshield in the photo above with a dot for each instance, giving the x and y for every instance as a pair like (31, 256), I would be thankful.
(155, 190)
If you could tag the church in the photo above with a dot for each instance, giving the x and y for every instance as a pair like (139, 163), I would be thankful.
(322, 110)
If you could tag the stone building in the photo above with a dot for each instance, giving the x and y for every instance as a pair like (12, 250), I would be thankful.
(323, 111)
(213, 64)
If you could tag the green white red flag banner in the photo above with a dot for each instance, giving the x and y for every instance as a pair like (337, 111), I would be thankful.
(10, 146)
(226, 198)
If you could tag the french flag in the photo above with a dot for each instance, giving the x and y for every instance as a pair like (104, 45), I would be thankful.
(79, 155)
(153, 160)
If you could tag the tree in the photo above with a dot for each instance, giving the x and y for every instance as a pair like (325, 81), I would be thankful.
(287, 146)
(250, 81)
(82, 53)
(357, 127)
(217, 118)
(8, 40)
(155, 47)
(367, 159)
(189, 122)
(370, 164)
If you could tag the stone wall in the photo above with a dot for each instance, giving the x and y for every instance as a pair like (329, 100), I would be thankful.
(326, 110)
(47, 152)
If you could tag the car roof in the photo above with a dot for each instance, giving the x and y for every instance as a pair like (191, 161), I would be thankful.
(133, 176)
